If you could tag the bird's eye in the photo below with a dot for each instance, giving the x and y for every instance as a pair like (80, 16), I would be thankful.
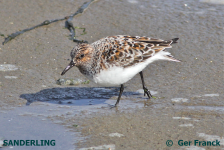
(81, 56)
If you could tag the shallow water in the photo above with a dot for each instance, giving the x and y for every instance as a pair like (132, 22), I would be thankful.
(17, 125)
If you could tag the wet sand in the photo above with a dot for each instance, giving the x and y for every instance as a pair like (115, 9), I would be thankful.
(189, 95)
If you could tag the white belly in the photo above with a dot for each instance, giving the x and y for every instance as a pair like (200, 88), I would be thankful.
(118, 75)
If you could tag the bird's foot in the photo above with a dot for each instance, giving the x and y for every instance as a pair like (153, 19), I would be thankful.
(147, 92)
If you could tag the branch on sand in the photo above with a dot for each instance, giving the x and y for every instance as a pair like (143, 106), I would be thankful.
(68, 25)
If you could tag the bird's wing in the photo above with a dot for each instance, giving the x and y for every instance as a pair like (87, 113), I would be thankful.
(130, 50)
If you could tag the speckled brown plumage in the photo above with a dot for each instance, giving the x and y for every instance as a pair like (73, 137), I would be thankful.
(114, 60)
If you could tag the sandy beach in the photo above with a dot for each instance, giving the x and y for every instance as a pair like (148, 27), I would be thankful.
(189, 103)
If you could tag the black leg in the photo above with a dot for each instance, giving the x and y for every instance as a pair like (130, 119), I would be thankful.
(119, 97)
(146, 91)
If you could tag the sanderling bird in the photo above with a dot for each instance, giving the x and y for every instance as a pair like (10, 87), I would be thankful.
(114, 60)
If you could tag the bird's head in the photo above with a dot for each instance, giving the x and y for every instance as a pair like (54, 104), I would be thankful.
(81, 56)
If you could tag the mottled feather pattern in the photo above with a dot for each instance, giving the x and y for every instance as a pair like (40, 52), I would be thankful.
(128, 50)
(114, 60)
(122, 51)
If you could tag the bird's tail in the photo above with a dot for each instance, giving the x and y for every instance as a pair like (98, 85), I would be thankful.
(167, 55)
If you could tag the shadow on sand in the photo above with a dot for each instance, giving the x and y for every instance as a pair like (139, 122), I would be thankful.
(75, 95)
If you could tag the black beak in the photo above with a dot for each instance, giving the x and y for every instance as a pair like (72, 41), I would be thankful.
(71, 64)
